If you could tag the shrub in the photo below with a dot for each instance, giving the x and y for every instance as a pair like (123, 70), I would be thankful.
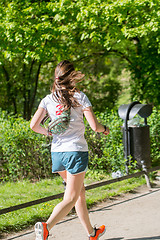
(154, 123)
(106, 152)
(22, 154)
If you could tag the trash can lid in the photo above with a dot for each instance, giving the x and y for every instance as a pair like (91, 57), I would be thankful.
(143, 110)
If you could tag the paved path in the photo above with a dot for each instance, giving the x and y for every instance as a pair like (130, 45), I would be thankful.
(134, 216)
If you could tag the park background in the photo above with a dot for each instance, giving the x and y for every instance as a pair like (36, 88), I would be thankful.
(116, 44)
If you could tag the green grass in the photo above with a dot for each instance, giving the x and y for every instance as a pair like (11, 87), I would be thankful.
(103, 193)
(20, 192)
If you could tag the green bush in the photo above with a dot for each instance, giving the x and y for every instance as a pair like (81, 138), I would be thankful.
(154, 123)
(106, 152)
(23, 153)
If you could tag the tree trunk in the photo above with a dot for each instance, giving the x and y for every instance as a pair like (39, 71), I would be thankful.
(11, 99)
(32, 98)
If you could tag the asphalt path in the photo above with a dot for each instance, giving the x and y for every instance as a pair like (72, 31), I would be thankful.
(133, 216)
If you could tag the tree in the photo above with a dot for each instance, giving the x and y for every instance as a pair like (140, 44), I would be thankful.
(37, 34)
(22, 54)
(130, 29)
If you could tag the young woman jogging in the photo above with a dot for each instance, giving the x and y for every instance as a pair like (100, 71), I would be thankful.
(69, 149)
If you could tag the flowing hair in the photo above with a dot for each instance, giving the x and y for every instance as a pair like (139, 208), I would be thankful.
(64, 85)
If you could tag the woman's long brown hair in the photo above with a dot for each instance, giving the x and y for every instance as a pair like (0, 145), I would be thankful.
(64, 85)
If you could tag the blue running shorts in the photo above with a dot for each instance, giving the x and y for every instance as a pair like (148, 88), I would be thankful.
(73, 162)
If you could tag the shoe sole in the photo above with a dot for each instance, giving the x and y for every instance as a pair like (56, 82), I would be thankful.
(39, 231)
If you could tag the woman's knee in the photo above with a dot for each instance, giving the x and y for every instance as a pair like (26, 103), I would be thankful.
(74, 187)
(71, 198)
(82, 196)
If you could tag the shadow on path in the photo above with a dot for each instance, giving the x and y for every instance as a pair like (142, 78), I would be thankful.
(143, 238)
(124, 201)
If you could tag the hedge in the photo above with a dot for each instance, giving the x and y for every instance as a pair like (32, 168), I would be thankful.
(22, 152)
(25, 154)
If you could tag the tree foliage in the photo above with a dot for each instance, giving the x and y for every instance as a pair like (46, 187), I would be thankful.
(35, 35)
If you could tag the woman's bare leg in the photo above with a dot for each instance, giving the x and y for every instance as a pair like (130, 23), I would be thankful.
(72, 192)
(82, 212)
(81, 207)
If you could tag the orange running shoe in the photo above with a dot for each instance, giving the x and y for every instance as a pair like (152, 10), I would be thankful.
(41, 231)
(98, 233)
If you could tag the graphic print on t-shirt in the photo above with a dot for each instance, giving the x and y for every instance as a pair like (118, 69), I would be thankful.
(59, 111)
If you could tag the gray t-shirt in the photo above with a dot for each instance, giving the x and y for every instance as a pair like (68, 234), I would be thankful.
(73, 138)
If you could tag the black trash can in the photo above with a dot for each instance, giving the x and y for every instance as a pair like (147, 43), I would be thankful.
(139, 145)
(136, 138)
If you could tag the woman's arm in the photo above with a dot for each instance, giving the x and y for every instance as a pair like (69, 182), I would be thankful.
(36, 120)
(93, 122)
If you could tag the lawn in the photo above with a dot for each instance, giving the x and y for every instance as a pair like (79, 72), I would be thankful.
(14, 193)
